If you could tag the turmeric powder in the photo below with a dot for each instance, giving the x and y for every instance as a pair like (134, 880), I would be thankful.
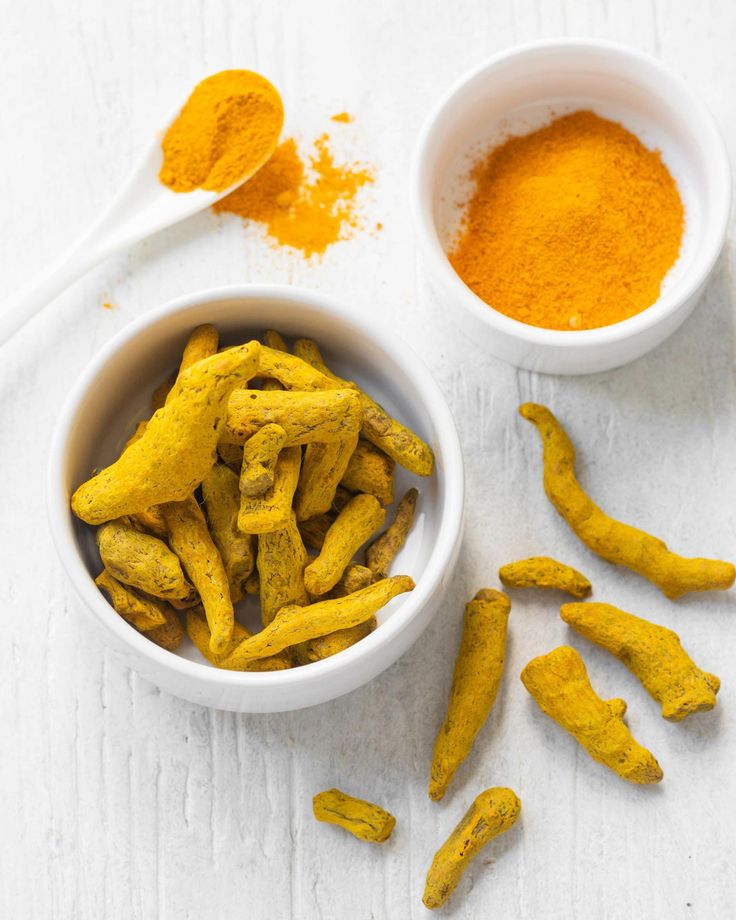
(228, 128)
(305, 204)
(573, 226)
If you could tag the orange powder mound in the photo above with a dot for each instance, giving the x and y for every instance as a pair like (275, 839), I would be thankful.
(307, 205)
(573, 226)
(343, 117)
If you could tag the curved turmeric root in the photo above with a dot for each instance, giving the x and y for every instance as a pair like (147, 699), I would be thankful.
(652, 653)
(475, 683)
(544, 572)
(612, 540)
(491, 814)
(363, 820)
(559, 684)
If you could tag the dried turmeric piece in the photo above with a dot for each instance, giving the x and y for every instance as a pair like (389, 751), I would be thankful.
(191, 541)
(492, 813)
(293, 625)
(253, 584)
(221, 496)
(292, 372)
(142, 561)
(395, 439)
(274, 340)
(322, 415)
(652, 653)
(169, 635)
(231, 455)
(382, 552)
(370, 470)
(199, 632)
(363, 820)
(150, 521)
(202, 343)
(544, 572)
(142, 612)
(323, 467)
(614, 541)
(178, 446)
(560, 686)
(475, 683)
(137, 434)
(360, 518)
(264, 513)
(260, 453)
(354, 579)
(281, 560)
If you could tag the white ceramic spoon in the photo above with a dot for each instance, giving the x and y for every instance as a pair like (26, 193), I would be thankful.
(143, 206)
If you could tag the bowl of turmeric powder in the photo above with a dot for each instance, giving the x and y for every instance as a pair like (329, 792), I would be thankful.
(571, 199)
(258, 497)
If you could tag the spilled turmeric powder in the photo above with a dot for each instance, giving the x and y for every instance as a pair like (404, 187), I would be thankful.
(573, 226)
(305, 203)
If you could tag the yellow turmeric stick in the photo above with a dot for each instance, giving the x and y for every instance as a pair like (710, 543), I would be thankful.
(281, 560)
(370, 470)
(322, 415)
(260, 453)
(274, 340)
(271, 511)
(170, 634)
(612, 540)
(231, 455)
(199, 632)
(222, 501)
(323, 467)
(354, 579)
(395, 439)
(652, 653)
(363, 820)
(315, 530)
(293, 625)
(292, 372)
(475, 683)
(544, 572)
(560, 686)
(492, 813)
(150, 521)
(202, 343)
(142, 561)
(358, 520)
(142, 612)
(382, 552)
(178, 446)
(190, 539)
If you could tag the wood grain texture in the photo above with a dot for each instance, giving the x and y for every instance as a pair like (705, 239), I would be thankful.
(122, 802)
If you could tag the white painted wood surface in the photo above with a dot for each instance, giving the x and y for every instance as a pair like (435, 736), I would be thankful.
(121, 802)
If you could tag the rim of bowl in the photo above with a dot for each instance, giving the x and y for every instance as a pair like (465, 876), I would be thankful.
(666, 304)
(451, 513)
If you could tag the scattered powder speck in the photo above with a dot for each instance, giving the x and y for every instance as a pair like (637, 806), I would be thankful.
(108, 306)
(307, 203)
(343, 117)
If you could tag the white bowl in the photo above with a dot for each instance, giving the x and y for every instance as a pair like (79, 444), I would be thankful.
(518, 91)
(113, 392)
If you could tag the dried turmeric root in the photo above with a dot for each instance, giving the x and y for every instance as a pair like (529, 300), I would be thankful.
(142, 612)
(560, 686)
(281, 560)
(370, 470)
(177, 448)
(358, 520)
(323, 415)
(271, 511)
(492, 813)
(292, 372)
(169, 635)
(363, 820)
(544, 572)
(323, 467)
(395, 439)
(382, 552)
(475, 683)
(202, 343)
(260, 453)
(142, 561)
(199, 632)
(355, 578)
(191, 541)
(293, 625)
(222, 501)
(612, 540)
(652, 653)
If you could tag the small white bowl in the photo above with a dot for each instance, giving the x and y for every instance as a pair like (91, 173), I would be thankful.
(113, 392)
(517, 92)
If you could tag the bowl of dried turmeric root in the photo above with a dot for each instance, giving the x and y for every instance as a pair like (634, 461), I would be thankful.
(258, 495)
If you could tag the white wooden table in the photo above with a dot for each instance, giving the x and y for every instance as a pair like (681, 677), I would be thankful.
(121, 802)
